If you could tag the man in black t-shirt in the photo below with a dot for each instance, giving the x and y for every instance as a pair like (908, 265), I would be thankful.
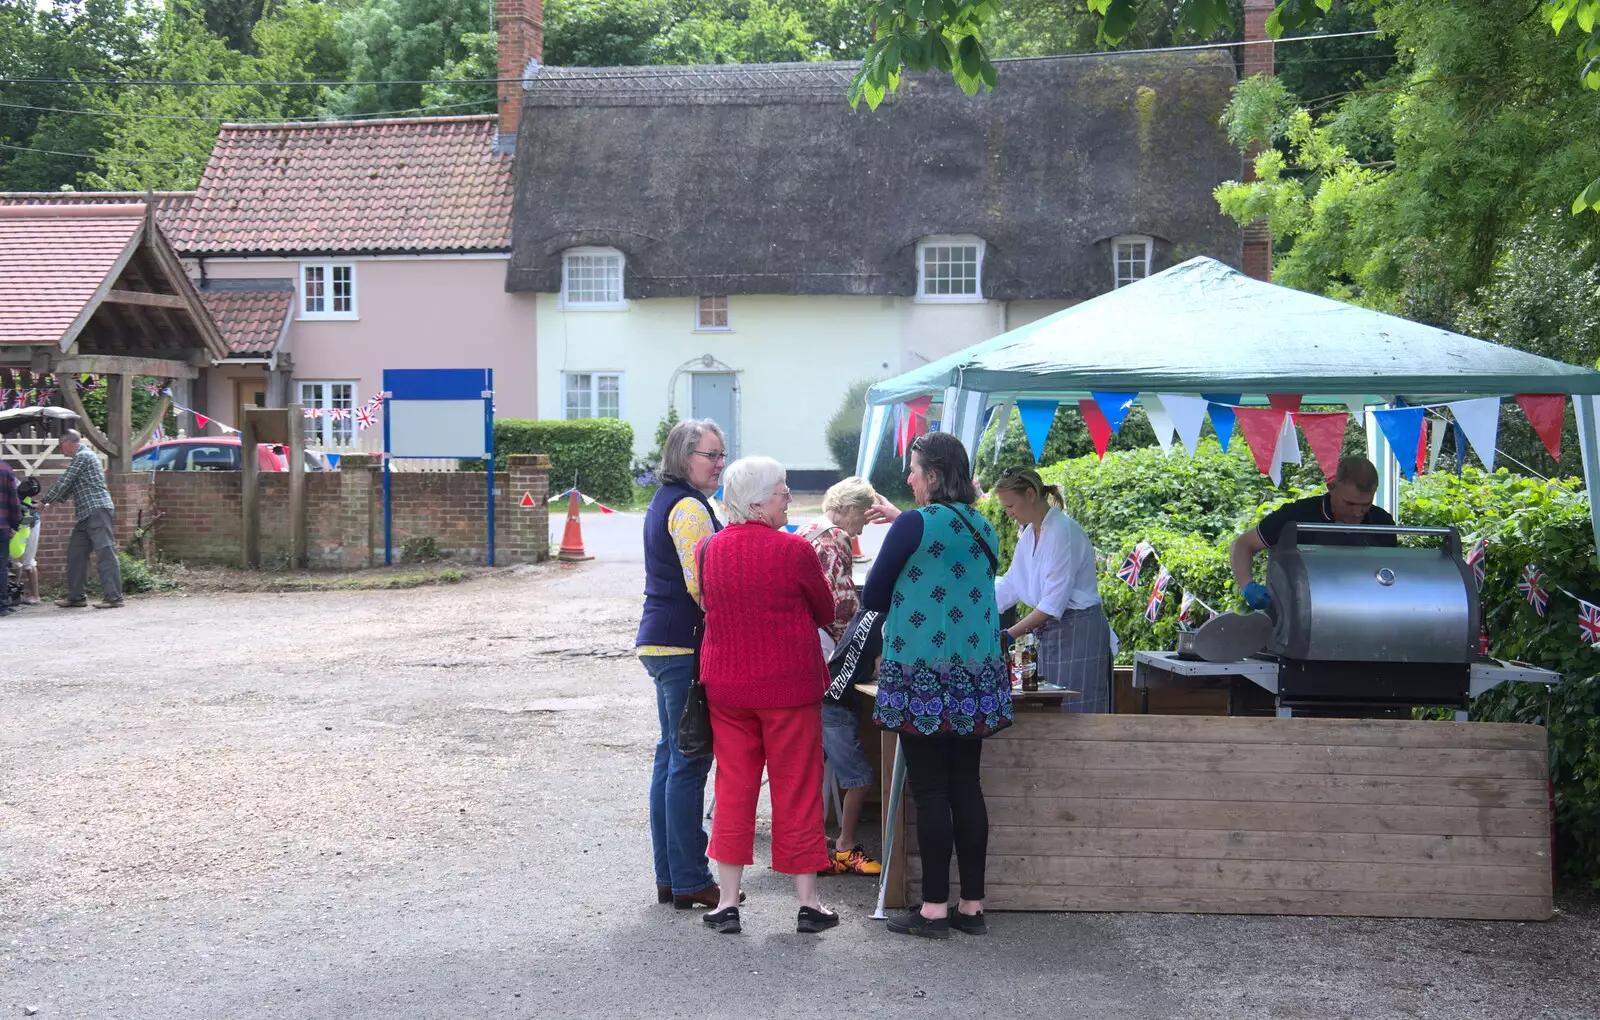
(1347, 501)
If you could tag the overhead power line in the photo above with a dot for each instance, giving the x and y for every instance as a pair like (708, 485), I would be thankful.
(152, 82)
(90, 155)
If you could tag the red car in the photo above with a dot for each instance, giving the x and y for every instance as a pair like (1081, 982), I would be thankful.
(212, 453)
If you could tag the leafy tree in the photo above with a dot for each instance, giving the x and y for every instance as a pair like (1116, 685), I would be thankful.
(603, 33)
(386, 41)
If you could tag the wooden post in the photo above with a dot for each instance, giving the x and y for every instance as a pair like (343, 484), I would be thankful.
(297, 487)
(249, 494)
(119, 420)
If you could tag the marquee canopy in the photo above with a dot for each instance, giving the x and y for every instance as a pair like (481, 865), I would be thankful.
(1203, 327)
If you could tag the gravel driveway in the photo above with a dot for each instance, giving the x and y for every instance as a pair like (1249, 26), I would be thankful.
(430, 803)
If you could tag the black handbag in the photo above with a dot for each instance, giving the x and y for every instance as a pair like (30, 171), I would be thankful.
(694, 725)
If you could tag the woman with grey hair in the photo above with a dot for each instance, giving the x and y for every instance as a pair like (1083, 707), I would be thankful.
(846, 509)
(678, 519)
(765, 597)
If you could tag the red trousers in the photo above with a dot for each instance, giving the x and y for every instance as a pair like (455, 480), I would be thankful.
(788, 742)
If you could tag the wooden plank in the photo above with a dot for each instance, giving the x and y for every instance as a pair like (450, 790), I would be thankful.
(1266, 817)
(1258, 787)
(1299, 759)
(109, 364)
(1240, 844)
(1472, 905)
(145, 299)
(1260, 876)
(1212, 729)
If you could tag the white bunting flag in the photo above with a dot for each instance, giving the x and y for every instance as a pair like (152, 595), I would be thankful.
(1480, 420)
(1160, 420)
(1437, 428)
(1002, 422)
(1358, 409)
(1288, 442)
(1187, 414)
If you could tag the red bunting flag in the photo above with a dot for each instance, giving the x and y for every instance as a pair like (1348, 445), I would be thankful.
(1422, 447)
(1324, 433)
(1544, 411)
(1289, 402)
(1099, 427)
(201, 420)
(1262, 428)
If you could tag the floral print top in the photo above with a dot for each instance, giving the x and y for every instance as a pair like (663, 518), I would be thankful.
(838, 566)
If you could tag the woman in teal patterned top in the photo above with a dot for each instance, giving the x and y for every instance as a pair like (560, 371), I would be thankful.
(943, 682)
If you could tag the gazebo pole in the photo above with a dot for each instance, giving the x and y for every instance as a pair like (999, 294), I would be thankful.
(1383, 459)
(1587, 411)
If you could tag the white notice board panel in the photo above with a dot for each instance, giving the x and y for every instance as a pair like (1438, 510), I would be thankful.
(435, 428)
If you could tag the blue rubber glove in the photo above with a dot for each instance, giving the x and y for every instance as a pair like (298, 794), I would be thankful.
(1255, 595)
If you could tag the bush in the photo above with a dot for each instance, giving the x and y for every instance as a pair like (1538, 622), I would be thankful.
(137, 576)
(595, 454)
(843, 435)
(646, 467)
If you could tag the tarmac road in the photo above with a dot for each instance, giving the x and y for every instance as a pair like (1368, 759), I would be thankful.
(431, 803)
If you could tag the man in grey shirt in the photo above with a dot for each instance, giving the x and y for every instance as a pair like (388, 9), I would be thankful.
(95, 531)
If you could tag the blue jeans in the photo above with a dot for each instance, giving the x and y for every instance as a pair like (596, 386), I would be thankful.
(677, 784)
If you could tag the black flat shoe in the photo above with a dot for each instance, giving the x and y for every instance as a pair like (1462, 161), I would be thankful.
(813, 920)
(663, 894)
(723, 922)
(971, 924)
(913, 923)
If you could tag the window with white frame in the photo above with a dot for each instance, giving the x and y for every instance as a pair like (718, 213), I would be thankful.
(593, 395)
(327, 290)
(712, 313)
(591, 278)
(334, 420)
(950, 269)
(1130, 256)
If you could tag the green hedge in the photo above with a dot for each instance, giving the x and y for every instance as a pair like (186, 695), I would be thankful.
(595, 454)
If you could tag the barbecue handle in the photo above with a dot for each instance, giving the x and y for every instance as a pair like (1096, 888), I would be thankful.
(1451, 536)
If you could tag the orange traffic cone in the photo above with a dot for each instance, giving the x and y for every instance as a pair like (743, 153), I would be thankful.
(572, 538)
(855, 549)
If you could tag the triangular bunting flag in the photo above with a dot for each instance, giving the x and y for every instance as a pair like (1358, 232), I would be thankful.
(1544, 411)
(1099, 428)
(1588, 623)
(1478, 560)
(1188, 414)
(1531, 585)
(1358, 409)
(1222, 415)
(605, 509)
(1461, 446)
(1160, 420)
(1324, 433)
(1288, 442)
(1401, 426)
(1115, 406)
(1436, 430)
(1037, 417)
(1158, 594)
(1422, 446)
(1480, 420)
(333, 459)
(1262, 428)
(201, 420)
(1002, 425)
(1284, 401)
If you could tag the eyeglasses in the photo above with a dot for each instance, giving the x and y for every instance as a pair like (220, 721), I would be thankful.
(781, 493)
(710, 456)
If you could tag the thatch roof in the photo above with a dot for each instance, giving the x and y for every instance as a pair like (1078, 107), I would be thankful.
(762, 179)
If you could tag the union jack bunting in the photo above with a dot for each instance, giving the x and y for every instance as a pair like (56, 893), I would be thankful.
(1186, 610)
(1478, 560)
(364, 418)
(1158, 594)
(337, 413)
(1531, 585)
(154, 389)
(1133, 564)
(312, 412)
(5, 399)
(1589, 622)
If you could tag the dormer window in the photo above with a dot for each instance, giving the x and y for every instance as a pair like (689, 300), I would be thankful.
(591, 279)
(1130, 259)
(950, 269)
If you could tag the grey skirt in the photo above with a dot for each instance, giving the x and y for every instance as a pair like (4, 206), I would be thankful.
(1075, 653)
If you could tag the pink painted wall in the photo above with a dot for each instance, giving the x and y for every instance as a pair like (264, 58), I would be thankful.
(414, 313)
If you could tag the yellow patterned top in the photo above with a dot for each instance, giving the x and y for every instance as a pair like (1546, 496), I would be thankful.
(687, 523)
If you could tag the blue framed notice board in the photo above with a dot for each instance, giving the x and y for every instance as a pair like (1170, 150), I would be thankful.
(437, 412)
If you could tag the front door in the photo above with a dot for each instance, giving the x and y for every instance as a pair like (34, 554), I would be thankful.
(716, 396)
(248, 393)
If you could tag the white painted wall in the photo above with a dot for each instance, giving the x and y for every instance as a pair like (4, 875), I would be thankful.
(794, 356)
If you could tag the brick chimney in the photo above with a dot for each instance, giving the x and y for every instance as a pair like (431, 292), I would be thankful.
(519, 25)
(1258, 59)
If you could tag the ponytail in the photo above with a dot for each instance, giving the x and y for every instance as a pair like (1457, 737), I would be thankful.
(1052, 493)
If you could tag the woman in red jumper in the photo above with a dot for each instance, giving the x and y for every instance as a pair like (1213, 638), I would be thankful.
(764, 597)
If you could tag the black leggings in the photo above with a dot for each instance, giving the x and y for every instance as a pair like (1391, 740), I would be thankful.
(943, 772)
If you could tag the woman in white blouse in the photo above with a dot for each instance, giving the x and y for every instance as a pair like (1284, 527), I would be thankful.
(1054, 571)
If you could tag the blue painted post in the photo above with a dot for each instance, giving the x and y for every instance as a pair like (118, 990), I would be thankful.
(488, 442)
(388, 544)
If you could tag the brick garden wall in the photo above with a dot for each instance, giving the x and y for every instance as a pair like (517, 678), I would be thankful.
(201, 517)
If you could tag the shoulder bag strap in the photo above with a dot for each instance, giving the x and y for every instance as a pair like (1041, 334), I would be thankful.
(994, 561)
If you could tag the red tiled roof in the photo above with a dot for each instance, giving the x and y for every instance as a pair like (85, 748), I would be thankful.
(428, 184)
(251, 315)
(167, 203)
(53, 258)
